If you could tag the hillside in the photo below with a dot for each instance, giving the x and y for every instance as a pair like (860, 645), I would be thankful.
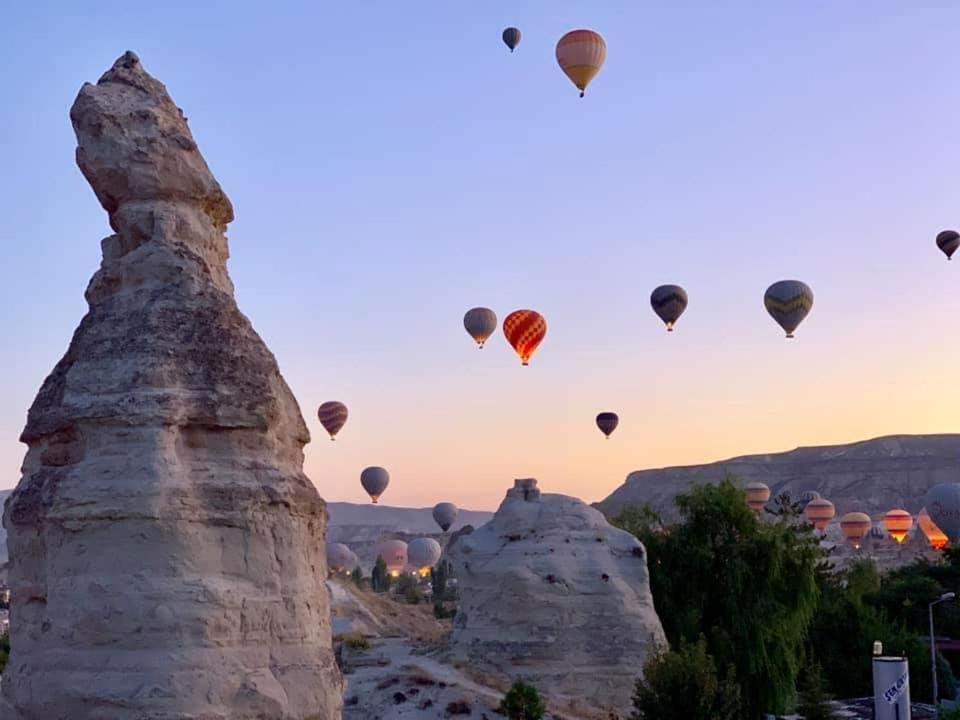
(872, 475)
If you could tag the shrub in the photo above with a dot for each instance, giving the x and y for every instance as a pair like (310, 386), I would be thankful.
(380, 579)
(522, 702)
(683, 684)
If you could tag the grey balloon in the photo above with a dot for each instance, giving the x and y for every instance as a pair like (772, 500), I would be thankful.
(444, 514)
(340, 558)
(423, 553)
(669, 302)
(374, 481)
(809, 496)
(943, 507)
(788, 302)
(480, 323)
(511, 37)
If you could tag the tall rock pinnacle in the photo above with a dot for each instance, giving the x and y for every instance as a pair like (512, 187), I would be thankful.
(167, 550)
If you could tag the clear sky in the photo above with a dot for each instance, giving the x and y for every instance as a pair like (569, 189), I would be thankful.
(392, 165)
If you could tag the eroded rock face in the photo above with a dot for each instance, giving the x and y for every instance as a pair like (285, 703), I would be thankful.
(552, 593)
(167, 550)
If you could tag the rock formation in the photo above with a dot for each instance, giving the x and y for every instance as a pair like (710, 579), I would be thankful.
(167, 550)
(552, 593)
(872, 476)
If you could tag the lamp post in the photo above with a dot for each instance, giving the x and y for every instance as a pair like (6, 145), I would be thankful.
(933, 647)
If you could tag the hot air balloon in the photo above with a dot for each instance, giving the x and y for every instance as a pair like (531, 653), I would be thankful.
(788, 302)
(480, 323)
(333, 416)
(340, 558)
(580, 54)
(444, 514)
(374, 481)
(394, 554)
(943, 506)
(809, 496)
(525, 330)
(877, 532)
(935, 536)
(819, 512)
(669, 302)
(423, 553)
(948, 241)
(607, 422)
(898, 523)
(511, 37)
(758, 495)
(855, 526)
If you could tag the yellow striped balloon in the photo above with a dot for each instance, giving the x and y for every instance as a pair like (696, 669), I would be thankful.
(580, 54)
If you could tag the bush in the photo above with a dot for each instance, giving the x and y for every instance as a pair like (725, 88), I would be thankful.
(357, 576)
(814, 702)
(380, 579)
(408, 587)
(356, 641)
(684, 684)
(522, 702)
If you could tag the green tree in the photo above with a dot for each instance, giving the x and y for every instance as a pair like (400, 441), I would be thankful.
(748, 585)
(439, 575)
(814, 701)
(4, 650)
(683, 684)
(522, 702)
(408, 587)
(380, 579)
(357, 576)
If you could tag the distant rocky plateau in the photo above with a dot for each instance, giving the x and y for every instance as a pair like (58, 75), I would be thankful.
(872, 476)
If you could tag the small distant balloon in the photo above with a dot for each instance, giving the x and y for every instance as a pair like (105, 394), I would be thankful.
(511, 37)
(333, 416)
(444, 514)
(855, 526)
(423, 553)
(758, 495)
(788, 302)
(809, 496)
(340, 558)
(580, 54)
(374, 480)
(948, 241)
(934, 535)
(669, 302)
(898, 523)
(394, 554)
(607, 422)
(525, 330)
(819, 512)
(480, 323)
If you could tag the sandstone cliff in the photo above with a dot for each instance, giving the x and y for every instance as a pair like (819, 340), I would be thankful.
(167, 550)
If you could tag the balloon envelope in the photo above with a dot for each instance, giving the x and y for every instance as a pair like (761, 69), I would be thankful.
(855, 526)
(374, 481)
(898, 523)
(444, 514)
(580, 54)
(819, 512)
(943, 506)
(669, 302)
(340, 558)
(525, 330)
(935, 536)
(423, 554)
(333, 416)
(394, 554)
(948, 241)
(607, 422)
(480, 323)
(808, 497)
(788, 302)
(511, 37)
(758, 495)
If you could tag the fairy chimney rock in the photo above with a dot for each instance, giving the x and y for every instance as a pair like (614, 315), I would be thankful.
(167, 550)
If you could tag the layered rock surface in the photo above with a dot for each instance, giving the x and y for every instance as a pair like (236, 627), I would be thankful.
(552, 593)
(167, 549)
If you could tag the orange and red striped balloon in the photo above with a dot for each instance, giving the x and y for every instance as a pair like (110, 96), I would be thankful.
(525, 330)
(898, 523)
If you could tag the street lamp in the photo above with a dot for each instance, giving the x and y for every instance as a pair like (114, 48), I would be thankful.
(933, 647)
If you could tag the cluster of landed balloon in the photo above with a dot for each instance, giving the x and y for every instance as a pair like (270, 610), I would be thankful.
(418, 556)
(939, 525)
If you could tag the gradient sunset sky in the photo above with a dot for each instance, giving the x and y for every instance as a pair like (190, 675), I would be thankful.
(391, 165)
